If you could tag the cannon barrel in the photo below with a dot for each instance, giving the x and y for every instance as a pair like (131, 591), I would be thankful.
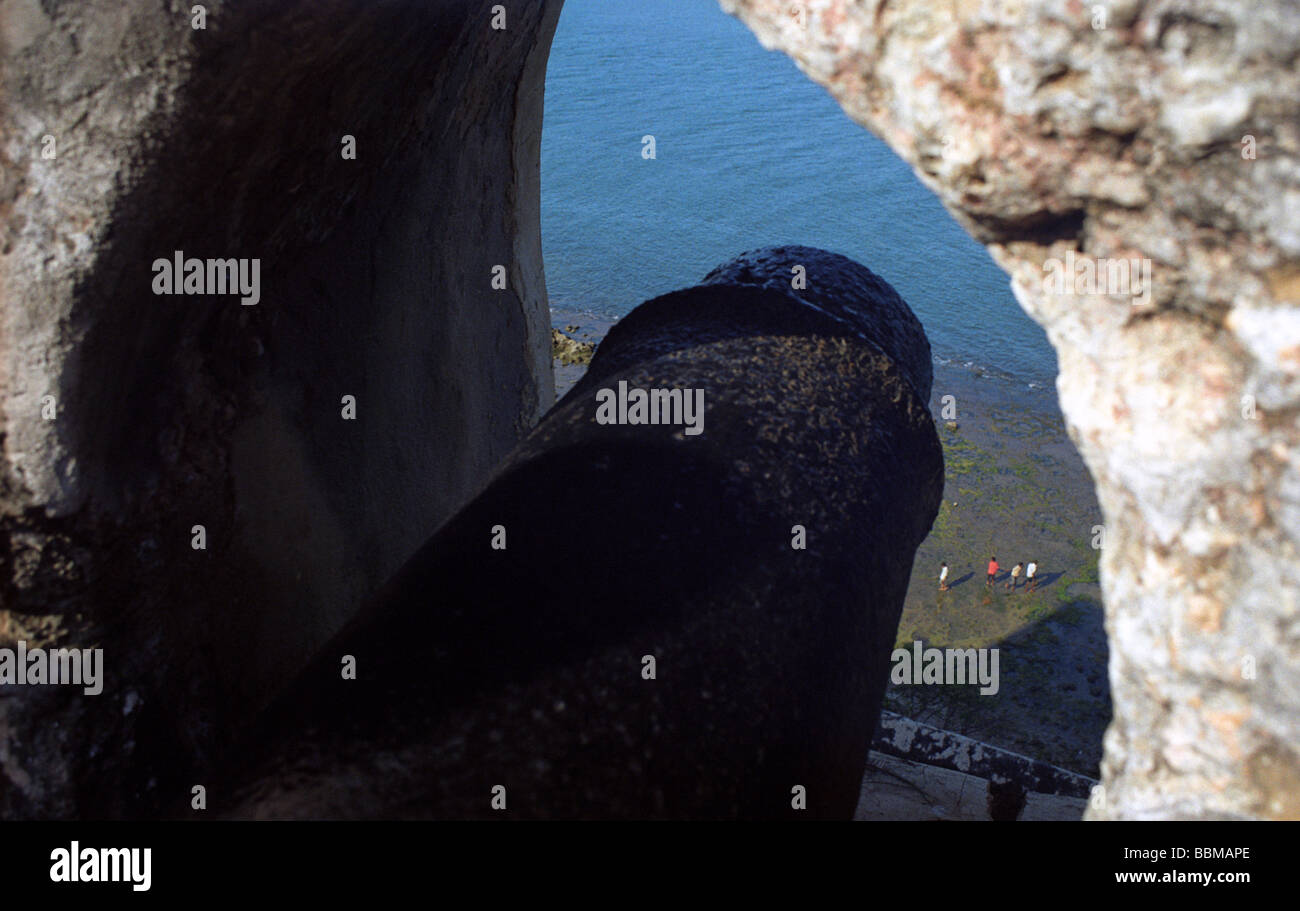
(647, 613)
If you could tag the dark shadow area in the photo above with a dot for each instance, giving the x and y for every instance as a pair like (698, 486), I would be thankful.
(1066, 693)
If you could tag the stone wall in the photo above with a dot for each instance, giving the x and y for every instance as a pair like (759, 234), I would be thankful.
(1164, 131)
(127, 418)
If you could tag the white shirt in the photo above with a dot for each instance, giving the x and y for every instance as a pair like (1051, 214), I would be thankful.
(1031, 569)
(943, 574)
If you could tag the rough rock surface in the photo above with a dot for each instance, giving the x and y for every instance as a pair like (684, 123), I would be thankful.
(478, 666)
(174, 411)
(569, 351)
(1164, 130)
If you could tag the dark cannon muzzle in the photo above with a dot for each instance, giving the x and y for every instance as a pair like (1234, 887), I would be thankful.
(678, 596)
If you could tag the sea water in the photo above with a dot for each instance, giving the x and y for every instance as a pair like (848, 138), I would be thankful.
(748, 152)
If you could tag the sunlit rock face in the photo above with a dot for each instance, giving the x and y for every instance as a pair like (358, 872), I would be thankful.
(378, 162)
(1135, 169)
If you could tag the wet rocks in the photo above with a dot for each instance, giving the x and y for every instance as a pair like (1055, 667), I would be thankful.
(569, 351)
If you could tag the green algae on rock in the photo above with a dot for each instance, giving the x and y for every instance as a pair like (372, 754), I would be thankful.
(569, 351)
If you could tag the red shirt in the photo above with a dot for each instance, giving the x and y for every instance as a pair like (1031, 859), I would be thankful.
(993, 567)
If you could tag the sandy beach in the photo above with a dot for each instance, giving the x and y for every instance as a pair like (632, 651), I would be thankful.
(1016, 488)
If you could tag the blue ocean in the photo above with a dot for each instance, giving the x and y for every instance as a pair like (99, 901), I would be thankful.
(749, 153)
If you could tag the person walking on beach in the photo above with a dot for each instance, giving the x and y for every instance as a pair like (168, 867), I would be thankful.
(993, 571)
(943, 577)
(1015, 577)
(1030, 580)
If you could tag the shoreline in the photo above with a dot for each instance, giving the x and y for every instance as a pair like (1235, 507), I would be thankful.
(594, 326)
(1015, 487)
